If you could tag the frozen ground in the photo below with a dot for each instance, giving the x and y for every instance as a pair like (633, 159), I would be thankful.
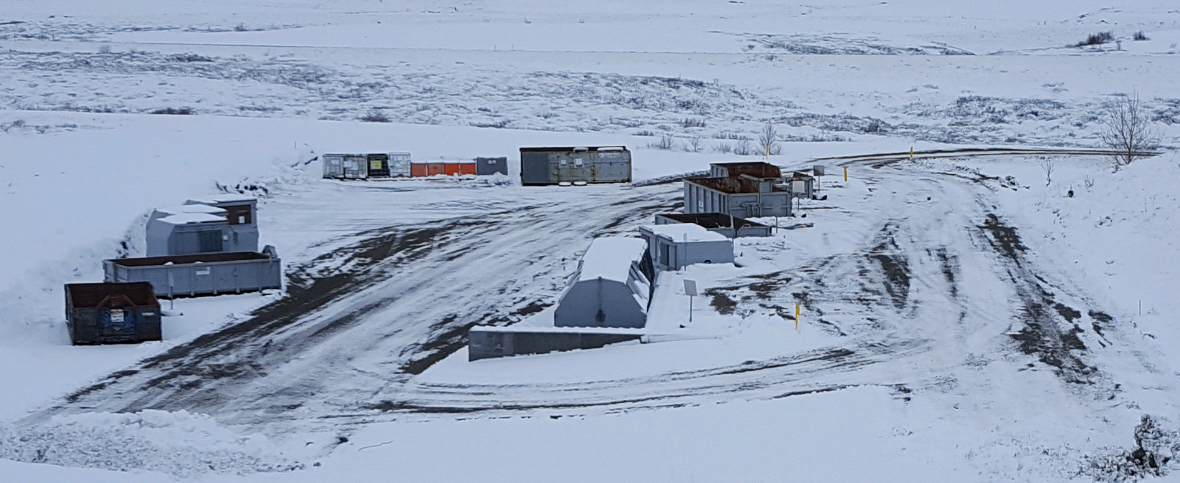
(962, 319)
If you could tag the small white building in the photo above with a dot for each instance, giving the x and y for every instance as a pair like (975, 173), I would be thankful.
(673, 247)
(612, 287)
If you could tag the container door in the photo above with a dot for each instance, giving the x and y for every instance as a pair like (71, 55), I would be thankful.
(203, 281)
(434, 169)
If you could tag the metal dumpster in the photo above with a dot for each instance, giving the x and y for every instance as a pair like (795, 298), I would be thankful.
(200, 274)
(486, 166)
(103, 313)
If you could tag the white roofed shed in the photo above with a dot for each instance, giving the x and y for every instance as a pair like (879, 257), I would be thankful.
(673, 247)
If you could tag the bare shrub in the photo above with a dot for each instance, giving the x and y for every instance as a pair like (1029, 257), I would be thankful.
(692, 122)
(182, 111)
(1139, 36)
(768, 140)
(693, 144)
(1126, 128)
(743, 147)
(666, 142)
(375, 116)
(1096, 39)
(723, 148)
(1047, 165)
(645, 133)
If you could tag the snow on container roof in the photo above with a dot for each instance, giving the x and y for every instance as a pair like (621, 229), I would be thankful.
(187, 218)
(683, 232)
(611, 257)
(193, 208)
(216, 199)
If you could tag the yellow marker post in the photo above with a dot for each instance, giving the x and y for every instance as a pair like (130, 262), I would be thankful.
(846, 174)
(796, 316)
(911, 152)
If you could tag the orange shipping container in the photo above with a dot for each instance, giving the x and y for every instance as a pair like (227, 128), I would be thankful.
(419, 170)
(452, 169)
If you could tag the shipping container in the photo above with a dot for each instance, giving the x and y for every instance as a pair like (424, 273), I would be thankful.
(745, 197)
(103, 313)
(202, 274)
(399, 165)
(486, 166)
(378, 165)
(356, 166)
(458, 168)
(557, 165)
(421, 170)
(333, 166)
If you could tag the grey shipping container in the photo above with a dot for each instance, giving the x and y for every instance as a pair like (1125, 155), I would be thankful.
(744, 197)
(102, 313)
(554, 165)
(486, 166)
(399, 165)
(201, 274)
(356, 166)
(333, 166)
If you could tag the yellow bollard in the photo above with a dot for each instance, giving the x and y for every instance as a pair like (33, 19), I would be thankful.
(911, 153)
(846, 174)
(796, 316)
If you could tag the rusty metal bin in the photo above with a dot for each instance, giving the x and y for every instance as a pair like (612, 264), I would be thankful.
(105, 313)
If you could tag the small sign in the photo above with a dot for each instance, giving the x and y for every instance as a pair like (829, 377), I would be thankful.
(202, 271)
(117, 315)
(690, 288)
(375, 164)
(818, 170)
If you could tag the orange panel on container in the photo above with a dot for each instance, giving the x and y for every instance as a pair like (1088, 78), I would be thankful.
(467, 168)
(451, 169)
(418, 170)
(434, 169)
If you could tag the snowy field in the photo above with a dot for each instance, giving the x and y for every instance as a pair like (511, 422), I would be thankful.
(962, 318)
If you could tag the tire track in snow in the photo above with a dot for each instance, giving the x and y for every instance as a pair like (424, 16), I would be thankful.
(386, 307)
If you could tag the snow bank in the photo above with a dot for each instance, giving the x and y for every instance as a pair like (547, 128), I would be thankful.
(178, 443)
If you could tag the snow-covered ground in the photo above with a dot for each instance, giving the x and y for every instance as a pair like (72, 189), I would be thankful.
(962, 319)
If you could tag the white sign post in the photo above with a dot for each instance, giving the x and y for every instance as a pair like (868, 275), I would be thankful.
(690, 289)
